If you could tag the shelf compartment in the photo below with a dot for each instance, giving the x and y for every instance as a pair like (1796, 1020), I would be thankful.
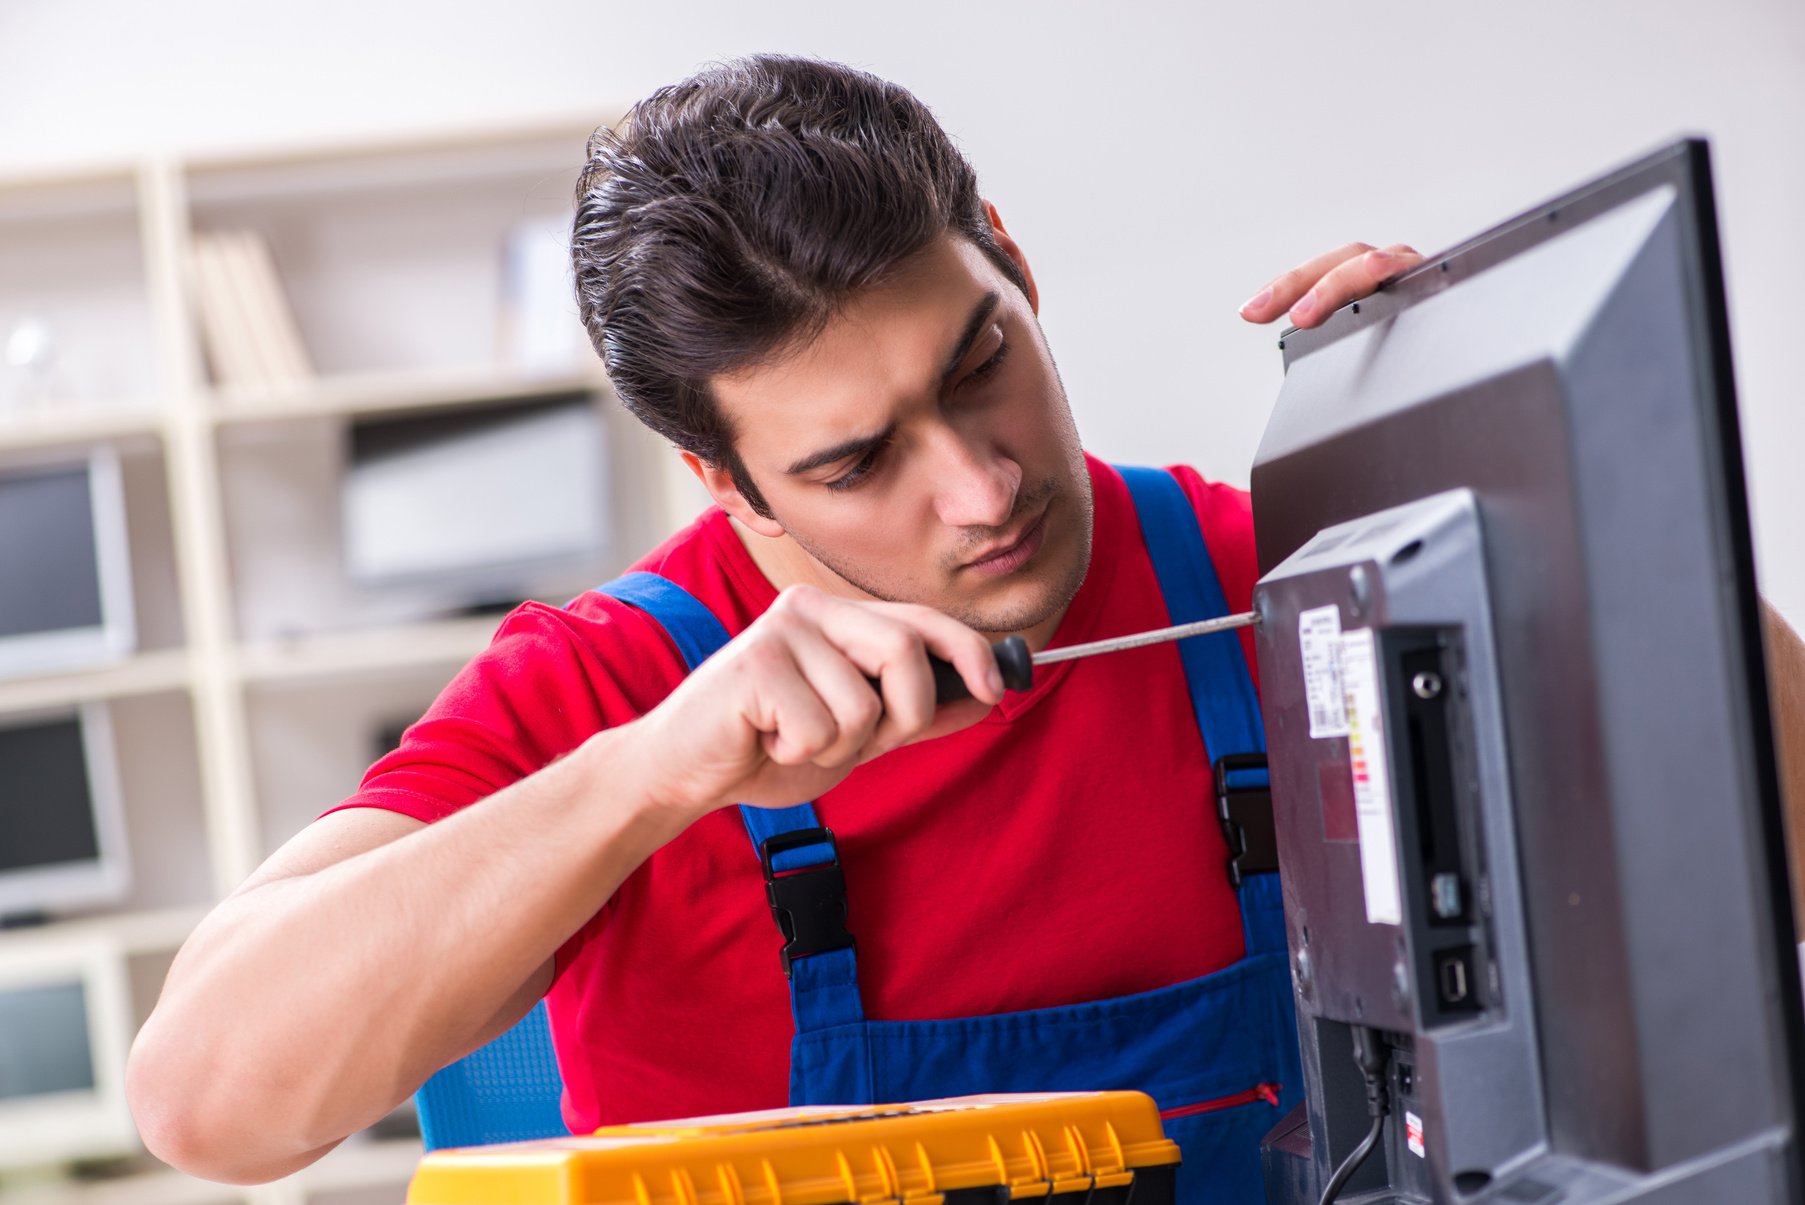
(156, 609)
(313, 738)
(396, 259)
(76, 282)
(157, 766)
(281, 486)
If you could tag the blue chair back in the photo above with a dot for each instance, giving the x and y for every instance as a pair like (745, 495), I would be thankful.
(507, 1091)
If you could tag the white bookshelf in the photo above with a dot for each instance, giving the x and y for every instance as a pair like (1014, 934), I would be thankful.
(102, 422)
(430, 644)
(395, 391)
(142, 674)
(262, 674)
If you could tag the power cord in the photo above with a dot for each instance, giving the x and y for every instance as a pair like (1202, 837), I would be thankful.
(1371, 1054)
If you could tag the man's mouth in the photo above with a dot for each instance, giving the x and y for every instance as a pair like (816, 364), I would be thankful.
(1007, 558)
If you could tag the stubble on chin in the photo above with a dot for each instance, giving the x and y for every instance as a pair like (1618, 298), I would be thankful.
(1023, 616)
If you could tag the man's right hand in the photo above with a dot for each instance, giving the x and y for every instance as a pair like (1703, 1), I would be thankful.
(786, 710)
(371, 949)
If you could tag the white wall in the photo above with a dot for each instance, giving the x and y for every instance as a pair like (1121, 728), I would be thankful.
(1158, 161)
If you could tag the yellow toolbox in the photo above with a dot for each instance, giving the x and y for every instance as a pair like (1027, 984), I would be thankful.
(1094, 1147)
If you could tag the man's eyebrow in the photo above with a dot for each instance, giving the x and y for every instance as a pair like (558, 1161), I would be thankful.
(859, 445)
(974, 326)
(840, 451)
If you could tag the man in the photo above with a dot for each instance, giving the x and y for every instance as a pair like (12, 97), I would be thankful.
(790, 274)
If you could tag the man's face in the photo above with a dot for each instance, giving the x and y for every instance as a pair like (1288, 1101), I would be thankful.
(921, 449)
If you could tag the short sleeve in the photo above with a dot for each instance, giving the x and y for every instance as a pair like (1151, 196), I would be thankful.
(548, 680)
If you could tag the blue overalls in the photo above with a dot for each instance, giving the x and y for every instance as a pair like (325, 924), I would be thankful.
(1218, 1054)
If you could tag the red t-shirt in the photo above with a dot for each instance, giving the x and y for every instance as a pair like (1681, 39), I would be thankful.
(1063, 849)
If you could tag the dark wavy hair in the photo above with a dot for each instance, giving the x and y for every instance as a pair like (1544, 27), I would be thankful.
(730, 216)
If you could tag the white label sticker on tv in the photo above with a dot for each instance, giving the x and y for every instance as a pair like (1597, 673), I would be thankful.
(1413, 1134)
(1371, 770)
(1319, 641)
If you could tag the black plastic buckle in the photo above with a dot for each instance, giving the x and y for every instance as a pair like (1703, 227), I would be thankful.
(1246, 815)
(809, 904)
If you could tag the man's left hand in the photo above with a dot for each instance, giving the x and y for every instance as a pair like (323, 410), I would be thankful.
(1317, 288)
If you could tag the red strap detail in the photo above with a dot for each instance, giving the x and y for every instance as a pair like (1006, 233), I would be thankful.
(1266, 1092)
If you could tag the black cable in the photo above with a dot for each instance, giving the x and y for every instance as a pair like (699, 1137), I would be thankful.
(1370, 1052)
(1352, 1163)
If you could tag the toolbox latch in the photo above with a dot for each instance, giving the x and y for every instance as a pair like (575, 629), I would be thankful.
(1244, 805)
(808, 903)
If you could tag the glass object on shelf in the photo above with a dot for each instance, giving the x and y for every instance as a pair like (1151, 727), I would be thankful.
(34, 378)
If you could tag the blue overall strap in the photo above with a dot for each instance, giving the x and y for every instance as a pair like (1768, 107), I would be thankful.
(823, 987)
(691, 626)
(1222, 692)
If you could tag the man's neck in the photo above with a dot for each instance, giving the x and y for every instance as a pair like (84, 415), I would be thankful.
(784, 564)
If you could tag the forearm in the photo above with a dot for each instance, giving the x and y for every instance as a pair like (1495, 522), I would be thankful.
(1786, 692)
(342, 976)
(305, 1007)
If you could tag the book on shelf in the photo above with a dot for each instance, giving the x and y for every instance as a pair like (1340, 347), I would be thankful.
(247, 324)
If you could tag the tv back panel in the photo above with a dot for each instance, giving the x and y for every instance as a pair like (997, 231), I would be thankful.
(1522, 766)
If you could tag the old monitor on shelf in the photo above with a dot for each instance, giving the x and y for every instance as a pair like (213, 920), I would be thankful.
(65, 570)
(62, 822)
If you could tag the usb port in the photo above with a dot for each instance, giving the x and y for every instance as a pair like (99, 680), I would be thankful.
(1454, 979)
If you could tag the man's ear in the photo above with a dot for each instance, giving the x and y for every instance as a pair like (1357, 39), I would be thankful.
(719, 484)
(1013, 250)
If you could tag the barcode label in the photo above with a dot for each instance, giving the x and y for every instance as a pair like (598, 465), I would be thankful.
(1319, 640)
(1370, 766)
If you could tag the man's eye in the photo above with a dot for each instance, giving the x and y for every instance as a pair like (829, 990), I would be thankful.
(992, 364)
(858, 472)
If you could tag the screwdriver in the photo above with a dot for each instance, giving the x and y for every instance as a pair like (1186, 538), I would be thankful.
(1017, 663)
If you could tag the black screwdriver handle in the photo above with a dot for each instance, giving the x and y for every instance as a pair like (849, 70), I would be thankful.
(1013, 659)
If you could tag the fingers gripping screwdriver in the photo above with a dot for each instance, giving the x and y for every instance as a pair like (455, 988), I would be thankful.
(1017, 663)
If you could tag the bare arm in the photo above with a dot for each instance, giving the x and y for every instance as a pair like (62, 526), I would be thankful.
(372, 950)
(1786, 692)
(367, 953)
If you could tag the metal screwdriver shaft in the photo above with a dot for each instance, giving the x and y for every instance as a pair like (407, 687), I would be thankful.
(1202, 627)
(1017, 663)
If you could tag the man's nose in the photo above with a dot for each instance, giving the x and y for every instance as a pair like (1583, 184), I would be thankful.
(974, 486)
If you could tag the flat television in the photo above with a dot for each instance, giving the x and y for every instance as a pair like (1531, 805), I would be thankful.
(62, 825)
(482, 506)
(1523, 773)
(65, 569)
(65, 1023)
